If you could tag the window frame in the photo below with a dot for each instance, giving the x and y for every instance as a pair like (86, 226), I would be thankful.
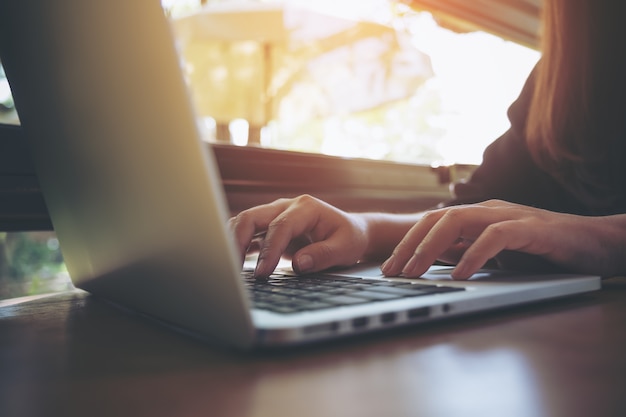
(22, 206)
(515, 20)
(252, 176)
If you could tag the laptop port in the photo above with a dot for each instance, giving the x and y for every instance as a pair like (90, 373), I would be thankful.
(388, 318)
(416, 313)
(360, 322)
(321, 328)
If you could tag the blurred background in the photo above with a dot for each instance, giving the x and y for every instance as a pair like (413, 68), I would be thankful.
(404, 81)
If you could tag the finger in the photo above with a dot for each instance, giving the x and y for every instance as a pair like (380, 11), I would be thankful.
(508, 235)
(456, 224)
(327, 253)
(453, 254)
(405, 249)
(255, 243)
(248, 225)
(294, 222)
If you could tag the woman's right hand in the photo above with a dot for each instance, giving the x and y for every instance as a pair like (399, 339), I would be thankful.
(315, 234)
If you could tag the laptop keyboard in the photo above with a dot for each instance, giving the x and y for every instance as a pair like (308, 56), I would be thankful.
(288, 294)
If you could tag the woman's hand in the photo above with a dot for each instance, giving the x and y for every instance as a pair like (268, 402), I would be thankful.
(317, 234)
(321, 236)
(479, 232)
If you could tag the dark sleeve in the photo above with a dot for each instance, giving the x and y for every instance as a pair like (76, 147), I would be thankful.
(509, 173)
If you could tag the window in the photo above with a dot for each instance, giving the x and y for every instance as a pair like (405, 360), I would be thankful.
(438, 95)
(445, 116)
(8, 115)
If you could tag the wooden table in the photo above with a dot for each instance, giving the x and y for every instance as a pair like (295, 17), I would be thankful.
(70, 354)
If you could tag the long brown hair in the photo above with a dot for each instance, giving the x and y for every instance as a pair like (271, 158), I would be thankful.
(576, 107)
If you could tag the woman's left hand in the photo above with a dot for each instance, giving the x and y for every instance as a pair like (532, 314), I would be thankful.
(474, 234)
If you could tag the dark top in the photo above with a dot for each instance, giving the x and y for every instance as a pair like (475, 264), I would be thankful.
(509, 173)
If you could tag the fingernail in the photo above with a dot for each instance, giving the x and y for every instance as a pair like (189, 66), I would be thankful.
(387, 266)
(411, 266)
(305, 263)
(258, 271)
(460, 271)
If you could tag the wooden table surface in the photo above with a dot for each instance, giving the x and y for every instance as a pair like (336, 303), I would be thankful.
(70, 354)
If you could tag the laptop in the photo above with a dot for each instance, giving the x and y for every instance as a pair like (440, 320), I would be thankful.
(137, 202)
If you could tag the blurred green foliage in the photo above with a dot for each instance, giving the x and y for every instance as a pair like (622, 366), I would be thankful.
(31, 263)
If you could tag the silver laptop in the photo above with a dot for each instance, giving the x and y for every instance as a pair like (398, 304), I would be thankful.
(137, 202)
